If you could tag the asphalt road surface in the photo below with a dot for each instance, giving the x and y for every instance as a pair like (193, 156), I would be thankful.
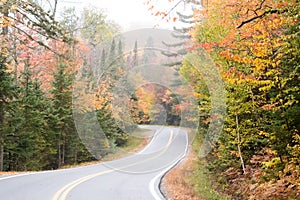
(135, 177)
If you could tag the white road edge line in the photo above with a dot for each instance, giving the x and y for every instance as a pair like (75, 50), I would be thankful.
(17, 175)
(152, 182)
(154, 136)
(39, 172)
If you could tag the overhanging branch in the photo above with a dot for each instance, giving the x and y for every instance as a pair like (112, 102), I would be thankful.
(272, 11)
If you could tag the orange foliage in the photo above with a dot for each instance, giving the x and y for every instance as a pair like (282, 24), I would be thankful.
(167, 13)
(252, 33)
(42, 62)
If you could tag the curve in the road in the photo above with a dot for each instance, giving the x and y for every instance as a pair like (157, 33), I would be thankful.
(133, 177)
(63, 192)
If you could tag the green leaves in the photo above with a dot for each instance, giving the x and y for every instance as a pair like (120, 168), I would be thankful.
(260, 65)
(25, 136)
(96, 28)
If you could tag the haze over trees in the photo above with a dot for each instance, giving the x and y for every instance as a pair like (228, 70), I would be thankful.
(39, 60)
(255, 48)
(42, 51)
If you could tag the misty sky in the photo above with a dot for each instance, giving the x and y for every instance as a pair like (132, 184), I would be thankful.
(130, 14)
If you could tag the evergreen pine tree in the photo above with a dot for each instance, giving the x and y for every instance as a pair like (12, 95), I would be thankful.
(112, 52)
(27, 146)
(103, 58)
(66, 138)
(120, 48)
(6, 94)
(182, 35)
(149, 53)
(135, 55)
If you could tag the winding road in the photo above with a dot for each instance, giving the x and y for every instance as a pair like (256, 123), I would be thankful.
(136, 177)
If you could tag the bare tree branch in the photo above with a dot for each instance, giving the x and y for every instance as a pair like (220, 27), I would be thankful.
(39, 42)
(55, 8)
(272, 11)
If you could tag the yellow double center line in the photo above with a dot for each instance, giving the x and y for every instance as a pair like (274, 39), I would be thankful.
(64, 191)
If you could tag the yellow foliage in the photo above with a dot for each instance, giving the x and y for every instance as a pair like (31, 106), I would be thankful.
(2, 2)
(14, 7)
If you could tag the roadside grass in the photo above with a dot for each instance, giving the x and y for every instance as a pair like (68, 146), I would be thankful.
(202, 179)
(190, 179)
(10, 173)
(176, 183)
(133, 145)
(136, 141)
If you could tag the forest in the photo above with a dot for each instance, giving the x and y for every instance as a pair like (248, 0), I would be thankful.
(58, 70)
(254, 46)
(40, 57)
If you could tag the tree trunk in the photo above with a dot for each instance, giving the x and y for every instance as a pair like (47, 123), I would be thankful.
(1, 133)
(63, 151)
(59, 151)
(75, 153)
(1, 154)
(239, 147)
(15, 57)
(54, 9)
(2, 96)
